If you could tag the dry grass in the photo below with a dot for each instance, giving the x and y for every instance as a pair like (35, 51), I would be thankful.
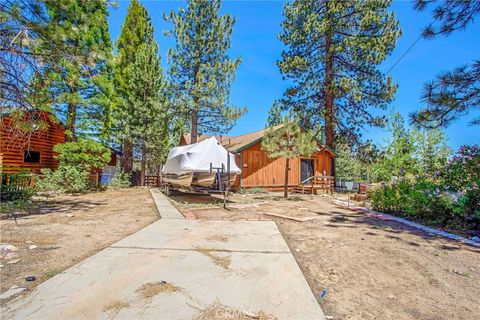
(115, 306)
(43, 239)
(222, 261)
(151, 289)
(218, 311)
(218, 238)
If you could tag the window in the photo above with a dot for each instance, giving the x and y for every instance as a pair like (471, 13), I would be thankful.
(30, 156)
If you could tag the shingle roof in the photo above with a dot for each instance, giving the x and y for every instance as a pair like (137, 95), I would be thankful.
(232, 144)
(235, 144)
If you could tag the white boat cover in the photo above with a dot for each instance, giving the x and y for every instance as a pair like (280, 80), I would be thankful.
(197, 157)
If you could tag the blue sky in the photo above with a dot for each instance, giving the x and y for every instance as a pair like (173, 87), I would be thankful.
(258, 81)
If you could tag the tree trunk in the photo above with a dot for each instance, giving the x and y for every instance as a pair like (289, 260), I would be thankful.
(194, 133)
(70, 122)
(285, 190)
(329, 90)
(143, 163)
(127, 157)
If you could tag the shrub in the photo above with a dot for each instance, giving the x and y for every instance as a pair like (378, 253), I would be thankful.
(83, 153)
(120, 180)
(450, 198)
(18, 187)
(256, 190)
(66, 179)
(18, 205)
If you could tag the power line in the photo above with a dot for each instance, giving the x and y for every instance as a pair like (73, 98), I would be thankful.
(409, 48)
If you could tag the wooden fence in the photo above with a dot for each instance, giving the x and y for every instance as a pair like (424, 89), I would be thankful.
(15, 185)
(153, 181)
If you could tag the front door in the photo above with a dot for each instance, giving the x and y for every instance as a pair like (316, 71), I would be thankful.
(306, 169)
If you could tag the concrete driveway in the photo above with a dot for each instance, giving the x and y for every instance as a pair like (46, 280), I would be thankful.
(180, 269)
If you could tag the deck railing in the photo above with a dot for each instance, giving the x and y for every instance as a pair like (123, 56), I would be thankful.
(318, 183)
(152, 181)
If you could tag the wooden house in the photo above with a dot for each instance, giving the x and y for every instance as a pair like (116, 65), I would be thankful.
(258, 170)
(32, 151)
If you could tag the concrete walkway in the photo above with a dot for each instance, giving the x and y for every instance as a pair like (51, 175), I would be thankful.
(179, 269)
(165, 208)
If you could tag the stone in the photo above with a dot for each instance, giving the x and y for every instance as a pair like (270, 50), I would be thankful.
(460, 273)
(11, 255)
(13, 261)
(69, 215)
(11, 292)
(6, 248)
(32, 247)
(329, 317)
(391, 296)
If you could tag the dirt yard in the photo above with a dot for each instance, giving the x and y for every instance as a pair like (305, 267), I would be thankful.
(65, 230)
(370, 269)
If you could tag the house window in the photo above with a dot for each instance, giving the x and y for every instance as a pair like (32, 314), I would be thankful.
(30, 156)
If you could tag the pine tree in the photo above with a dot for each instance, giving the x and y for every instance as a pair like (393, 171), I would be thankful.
(201, 72)
(288, 141)
(275, 115)
(147, 103)
(348, 165)
(142, 115)
(454, 93)
(334, 50)
(80, 28)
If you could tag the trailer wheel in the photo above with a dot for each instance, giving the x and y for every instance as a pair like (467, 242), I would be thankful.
(167, 190)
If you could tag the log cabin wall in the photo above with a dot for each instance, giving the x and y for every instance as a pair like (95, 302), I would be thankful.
(260, 171)
(12, 149)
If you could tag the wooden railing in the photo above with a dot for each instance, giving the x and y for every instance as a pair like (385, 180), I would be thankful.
(152, 181)
(318, 183)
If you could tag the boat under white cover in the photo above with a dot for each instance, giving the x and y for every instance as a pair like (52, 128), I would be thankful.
(191, 164)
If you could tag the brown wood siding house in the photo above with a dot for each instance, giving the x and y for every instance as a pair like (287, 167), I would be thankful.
(258, 170)
(35, 152)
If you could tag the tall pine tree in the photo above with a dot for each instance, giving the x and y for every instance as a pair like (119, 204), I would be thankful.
(134, 33)
(334, 50)
(80, 28)
(142, 114)
(201, 72)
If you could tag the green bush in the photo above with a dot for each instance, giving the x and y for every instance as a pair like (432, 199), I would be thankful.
(84, 153)
(66, 179)
(256, 190)
(18, 205)
(18, 187)
(120, 180)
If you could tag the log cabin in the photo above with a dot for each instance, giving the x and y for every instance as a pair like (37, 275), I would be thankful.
(260, 171)
(33, 150)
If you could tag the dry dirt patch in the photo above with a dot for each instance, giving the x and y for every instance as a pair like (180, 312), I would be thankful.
(68, 229)
(371, 269)
(221, 259)
(151, 289)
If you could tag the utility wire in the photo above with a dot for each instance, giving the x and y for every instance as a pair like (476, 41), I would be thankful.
(409, 48)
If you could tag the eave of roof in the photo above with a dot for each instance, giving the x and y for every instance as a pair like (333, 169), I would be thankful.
(239, 143)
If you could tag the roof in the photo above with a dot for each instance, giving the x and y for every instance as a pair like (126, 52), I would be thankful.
(238, 143)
